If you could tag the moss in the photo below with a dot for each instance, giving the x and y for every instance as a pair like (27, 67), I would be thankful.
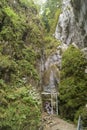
(46, 76)
(56, 71)
(47, 73)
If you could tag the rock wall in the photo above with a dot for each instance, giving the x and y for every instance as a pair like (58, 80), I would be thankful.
(72, 23)
(51, 72)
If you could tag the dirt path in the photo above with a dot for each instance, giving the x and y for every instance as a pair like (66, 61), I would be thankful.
(51, 122)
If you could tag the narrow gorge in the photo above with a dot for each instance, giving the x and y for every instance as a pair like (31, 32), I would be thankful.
(43, 65)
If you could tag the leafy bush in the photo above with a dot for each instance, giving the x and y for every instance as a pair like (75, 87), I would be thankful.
(19, 108)
(20, 42)
(73, 83)
(51, 12)
(50, 44)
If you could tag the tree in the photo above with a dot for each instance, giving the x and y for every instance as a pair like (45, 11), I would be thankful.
(51, 11)
(73, 83)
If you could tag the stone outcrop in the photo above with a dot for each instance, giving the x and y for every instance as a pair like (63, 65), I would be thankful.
(51, 73)
(72, 23)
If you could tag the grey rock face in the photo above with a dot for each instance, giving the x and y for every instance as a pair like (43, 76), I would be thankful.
(51, 72)
(72, 24)
(65, 24)
(51, 69)
(54, 59)
(84, 50)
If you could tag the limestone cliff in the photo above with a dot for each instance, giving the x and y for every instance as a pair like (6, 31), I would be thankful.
(72, 23)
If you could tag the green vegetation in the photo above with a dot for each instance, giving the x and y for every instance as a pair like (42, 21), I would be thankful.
(51, 45)
(24, 37)
(19, 109)
(50, 14)
(52, 10)
(21, 37)
(21, 41)
(73, 84)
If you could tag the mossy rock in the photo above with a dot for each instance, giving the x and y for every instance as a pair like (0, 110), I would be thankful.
(47, 73)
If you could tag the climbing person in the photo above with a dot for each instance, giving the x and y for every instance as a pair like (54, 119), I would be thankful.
(48, 108)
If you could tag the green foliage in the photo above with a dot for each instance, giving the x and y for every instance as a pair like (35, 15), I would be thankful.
(27, 69)
(73, 63)
(29, 4)
(11, 14)
(50, 44)
(26, 2)
(73, 83)
(6, 62)
(83, 113)
(35, 34)
(13, 113)
(14, 24)
(51, 12)
(28, 52)
(21, 37)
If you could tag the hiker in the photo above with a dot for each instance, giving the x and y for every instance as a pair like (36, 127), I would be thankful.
(48, 108)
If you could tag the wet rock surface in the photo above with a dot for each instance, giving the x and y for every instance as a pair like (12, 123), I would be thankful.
(51, 72)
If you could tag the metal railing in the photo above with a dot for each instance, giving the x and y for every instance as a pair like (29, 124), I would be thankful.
(80, 126)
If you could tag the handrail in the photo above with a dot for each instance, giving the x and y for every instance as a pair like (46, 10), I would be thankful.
(79, 126)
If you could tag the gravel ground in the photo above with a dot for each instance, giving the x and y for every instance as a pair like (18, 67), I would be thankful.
(52, 122)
